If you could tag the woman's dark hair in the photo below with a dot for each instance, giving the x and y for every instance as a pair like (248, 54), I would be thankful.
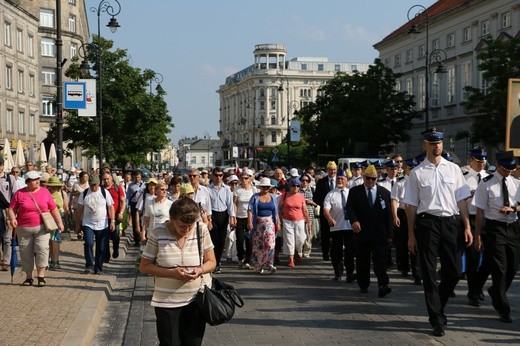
(176, 180)
(82, 173)
(185, 210)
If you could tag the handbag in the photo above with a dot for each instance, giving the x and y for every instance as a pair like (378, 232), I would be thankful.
(317, 210)
(216, 304)
(48, 220)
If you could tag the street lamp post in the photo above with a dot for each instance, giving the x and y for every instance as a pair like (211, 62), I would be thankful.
(208, 137)
(104, 6)
(436, 54)
(158, 79)
(290, 104)
(59, 91)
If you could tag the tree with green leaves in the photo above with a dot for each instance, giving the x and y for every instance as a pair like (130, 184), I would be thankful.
(499, 61)
(358, 114)
(135, 121)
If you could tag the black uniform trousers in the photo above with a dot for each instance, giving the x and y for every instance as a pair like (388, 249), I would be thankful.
(325, 236)
(240, 232)
(406, 259)
(342, 252)
(220, 222)
(365, 250)
(503, 247)
(485, 267)
(472, 266)
(443, 236)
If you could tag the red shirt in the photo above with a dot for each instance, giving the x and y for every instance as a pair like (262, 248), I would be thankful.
(293, 207)
(116, 197)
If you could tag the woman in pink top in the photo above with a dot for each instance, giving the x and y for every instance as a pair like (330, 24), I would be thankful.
(293, 212)
(33, 238)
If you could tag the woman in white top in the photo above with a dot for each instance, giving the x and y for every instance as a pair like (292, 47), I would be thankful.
(156, 212)
(241, 198)
(144, 199)
(78, 188)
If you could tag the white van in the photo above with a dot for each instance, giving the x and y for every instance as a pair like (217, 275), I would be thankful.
(345, 162)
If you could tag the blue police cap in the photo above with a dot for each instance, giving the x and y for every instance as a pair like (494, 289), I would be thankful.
(432, 135)
(412, 163)
(355, 165)
(391, 164)
(365, 163)
(378, 164)
(341, 173)
(478, 154)
(506, 160)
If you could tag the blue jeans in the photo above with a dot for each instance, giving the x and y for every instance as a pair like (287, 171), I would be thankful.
(100, 237)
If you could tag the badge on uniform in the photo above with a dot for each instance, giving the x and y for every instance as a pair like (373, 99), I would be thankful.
(383, 204)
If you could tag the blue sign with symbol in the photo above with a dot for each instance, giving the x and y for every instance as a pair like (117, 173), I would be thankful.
(75, 95)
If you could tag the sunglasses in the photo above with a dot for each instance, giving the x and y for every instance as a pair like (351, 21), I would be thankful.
(218, 175)
(305, 180)
(193, 175)
(234, 182)
(370, 178)
(398, 161)
(295, 186)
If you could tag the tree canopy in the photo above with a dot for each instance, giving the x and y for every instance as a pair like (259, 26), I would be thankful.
(135, 121)
(499, 61)
(358, 114)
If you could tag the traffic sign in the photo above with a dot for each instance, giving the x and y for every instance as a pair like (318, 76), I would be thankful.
(74, 95)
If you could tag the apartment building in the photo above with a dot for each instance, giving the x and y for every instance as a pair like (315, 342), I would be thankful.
(456, 31)
(258, 103)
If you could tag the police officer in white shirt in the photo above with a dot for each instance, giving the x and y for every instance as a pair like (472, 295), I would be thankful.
(476, 276)
(435, 195)
(497, 199)
(357, 176)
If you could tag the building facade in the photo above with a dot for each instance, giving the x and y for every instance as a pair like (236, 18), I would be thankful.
(199, 152)
(19, 66)
(74, 32)
(456, 32)
(258, 102)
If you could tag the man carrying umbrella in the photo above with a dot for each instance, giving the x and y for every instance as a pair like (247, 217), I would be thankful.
(7, 188)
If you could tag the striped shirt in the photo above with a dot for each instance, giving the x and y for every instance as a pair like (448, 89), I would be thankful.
(162, 248)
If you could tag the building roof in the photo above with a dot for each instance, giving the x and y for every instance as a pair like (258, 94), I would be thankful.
(437, 9)
(204, 144)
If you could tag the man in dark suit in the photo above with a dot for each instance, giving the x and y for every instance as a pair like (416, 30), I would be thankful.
(323, 186)
(370, 214)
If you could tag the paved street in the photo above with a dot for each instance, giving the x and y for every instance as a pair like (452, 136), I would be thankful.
(303, 306)
(294, 306)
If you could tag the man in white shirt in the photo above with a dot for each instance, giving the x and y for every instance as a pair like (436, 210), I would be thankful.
(8, 187)
(435, 195)
(95, 210)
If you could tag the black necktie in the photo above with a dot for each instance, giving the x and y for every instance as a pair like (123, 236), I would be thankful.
(331, 184)
(370, 201)
(505, 192)
(479, 177)
(344, 203)
(392, 183)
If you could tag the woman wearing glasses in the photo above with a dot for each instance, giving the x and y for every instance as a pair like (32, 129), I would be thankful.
(157, 211)
(295, 218)
(241, 199)
(308, 193)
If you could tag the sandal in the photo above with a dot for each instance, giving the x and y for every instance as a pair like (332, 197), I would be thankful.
(41, 282)
(28, 282)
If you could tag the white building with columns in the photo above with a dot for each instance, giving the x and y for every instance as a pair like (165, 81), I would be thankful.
(258, 102)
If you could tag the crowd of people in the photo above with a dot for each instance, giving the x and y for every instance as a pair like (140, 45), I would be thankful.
(407, 215)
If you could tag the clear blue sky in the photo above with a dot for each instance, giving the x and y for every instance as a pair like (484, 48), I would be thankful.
(196, 44)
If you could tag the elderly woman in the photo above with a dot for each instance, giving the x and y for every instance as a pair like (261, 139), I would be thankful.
(308, 193)
(293, 212)
(172, 256)
(241, 198)
(24, 213)
(157, 211)
(59, 195)
(262, 220)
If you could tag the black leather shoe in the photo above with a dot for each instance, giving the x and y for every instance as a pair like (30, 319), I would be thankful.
(506, 318)
(481, 296)
(438, 330)
(452, 294)
(473, 301)
(351, 278)
(383, 291)
(363, 290)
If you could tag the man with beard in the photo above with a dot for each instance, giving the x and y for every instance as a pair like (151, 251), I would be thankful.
(438, 223)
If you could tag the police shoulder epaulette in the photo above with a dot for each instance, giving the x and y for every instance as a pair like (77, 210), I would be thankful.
(465, 173)
(400, 178)
(487, 178)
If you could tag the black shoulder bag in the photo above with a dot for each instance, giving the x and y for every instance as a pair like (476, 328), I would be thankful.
(216, 304)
